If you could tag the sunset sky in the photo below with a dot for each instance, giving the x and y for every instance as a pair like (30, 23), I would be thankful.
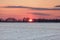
(29, 8)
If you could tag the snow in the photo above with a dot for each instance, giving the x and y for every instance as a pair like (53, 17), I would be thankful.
(29, 31)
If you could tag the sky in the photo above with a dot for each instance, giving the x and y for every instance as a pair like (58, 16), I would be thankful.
(31, 3)
(29, 8)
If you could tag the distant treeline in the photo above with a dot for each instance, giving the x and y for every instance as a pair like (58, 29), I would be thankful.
(27, 20)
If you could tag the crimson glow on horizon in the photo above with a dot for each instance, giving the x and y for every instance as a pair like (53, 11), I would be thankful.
(20, 13)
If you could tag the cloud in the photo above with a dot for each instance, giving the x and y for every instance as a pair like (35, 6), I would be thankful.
(41, 14)
(57, 6)
(58, 16)
(39, 8)
(45, 8)
(33, 8)
(16, 7)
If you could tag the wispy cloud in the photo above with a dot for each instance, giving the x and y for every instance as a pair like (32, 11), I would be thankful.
(42, 14)
(39, 8)
(45, 8)
(16, 7)
(58, 16)
(57, 6)
(34, 8)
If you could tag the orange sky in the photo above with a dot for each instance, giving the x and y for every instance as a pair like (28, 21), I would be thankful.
(31, 3)
(25, 12)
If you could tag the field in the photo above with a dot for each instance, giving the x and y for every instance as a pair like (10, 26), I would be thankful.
(29, 31)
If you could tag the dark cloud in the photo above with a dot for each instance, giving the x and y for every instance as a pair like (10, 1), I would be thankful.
(57, 6)
(41, 14)
(16, 7)
(39, 8)
(32, 8)
(45, 8)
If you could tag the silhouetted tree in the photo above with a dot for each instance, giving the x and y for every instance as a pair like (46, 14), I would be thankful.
(25, 19)
(11, 20)
(1, 20)
(19, 20)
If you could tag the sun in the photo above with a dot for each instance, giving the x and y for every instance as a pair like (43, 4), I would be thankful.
(30, 20)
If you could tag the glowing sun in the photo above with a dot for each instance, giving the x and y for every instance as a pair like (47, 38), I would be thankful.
(30, 20)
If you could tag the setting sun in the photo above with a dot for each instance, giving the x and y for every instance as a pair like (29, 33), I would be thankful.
(30, 20)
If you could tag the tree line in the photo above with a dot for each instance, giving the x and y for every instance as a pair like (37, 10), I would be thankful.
(27, 20)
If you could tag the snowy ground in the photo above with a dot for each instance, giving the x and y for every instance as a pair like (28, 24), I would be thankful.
(29, 31)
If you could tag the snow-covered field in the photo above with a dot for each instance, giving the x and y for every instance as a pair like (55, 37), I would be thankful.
(29, 31)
